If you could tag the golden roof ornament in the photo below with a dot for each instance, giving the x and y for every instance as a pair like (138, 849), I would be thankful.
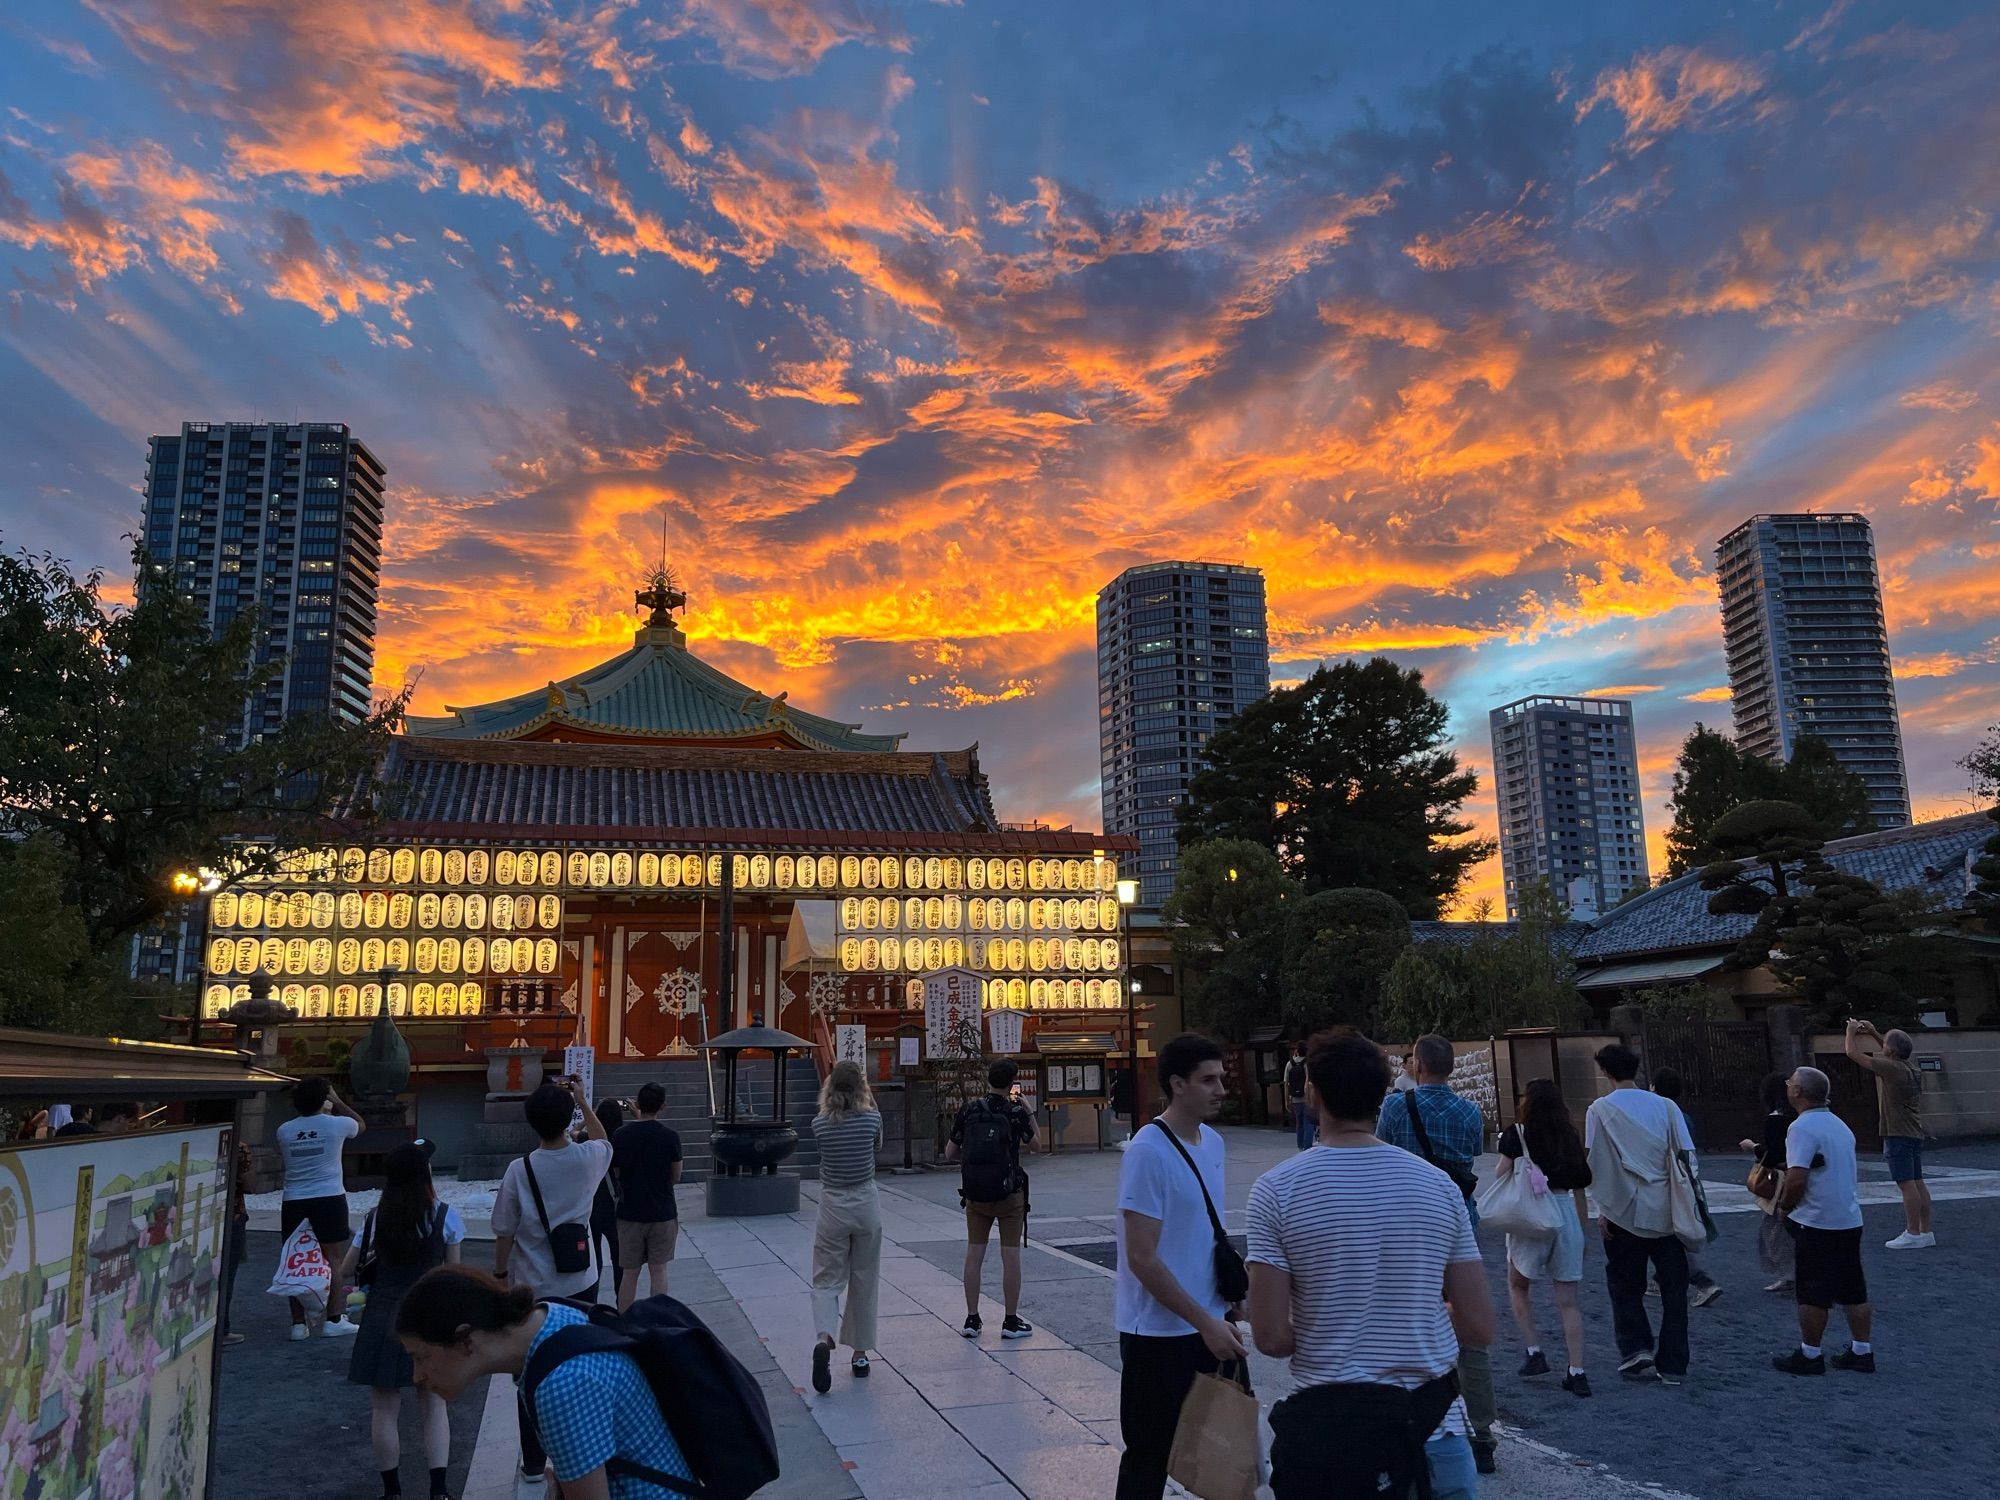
(660, 598)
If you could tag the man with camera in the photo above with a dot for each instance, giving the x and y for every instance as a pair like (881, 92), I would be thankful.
(1899, 1099)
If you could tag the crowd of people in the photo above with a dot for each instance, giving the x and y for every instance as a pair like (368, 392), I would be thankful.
(1362, 1266)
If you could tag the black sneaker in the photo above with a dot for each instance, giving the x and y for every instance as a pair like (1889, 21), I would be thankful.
(1638, 1367)
(1860, 1364)
(1796, 1363)
(822, 1367)
(1483, 1458)
(1535, 1364)
(1577, 1384)
(1015, 1328)
(971, 1328)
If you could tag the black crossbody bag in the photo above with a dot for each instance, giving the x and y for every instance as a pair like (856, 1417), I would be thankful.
(1462, 1177)
(569, 1244)
(1232, 1277)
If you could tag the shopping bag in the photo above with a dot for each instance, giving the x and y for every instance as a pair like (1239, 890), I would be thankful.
(302, 1269)
(1688, 1221)
(1520, 1203)
(1218, 1450)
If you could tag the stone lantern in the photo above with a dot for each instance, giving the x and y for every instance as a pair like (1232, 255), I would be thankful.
(257, 1021)
(380, 1067)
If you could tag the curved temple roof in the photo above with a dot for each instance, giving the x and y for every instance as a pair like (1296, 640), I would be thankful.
(658, 691)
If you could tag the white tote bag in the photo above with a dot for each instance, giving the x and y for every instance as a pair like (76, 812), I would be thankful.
(302, 1269)
(1520, 1203)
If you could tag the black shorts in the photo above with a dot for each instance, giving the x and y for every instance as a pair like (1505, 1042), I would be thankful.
(1829, 1266)
(328, 1217)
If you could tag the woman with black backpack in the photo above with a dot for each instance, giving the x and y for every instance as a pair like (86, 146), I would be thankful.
(595, 1414)
(404, 1235)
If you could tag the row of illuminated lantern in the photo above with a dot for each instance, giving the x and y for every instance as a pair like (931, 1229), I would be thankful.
(318, 1002)
(425, 955)
(892, 954)
(1053, 994)
(380, 909)
(979, 913)
(625, 868)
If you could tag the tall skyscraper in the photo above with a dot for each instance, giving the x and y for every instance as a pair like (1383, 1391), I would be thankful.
(1181, 648)
(1566, 772)
(287, 518)
(1808, 648)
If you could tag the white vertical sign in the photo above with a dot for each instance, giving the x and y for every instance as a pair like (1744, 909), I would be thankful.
(850, 1044)
(1004, 1026)
(951, 998)
(580, 1063)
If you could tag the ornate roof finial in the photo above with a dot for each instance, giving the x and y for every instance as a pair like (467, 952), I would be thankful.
(661, 598)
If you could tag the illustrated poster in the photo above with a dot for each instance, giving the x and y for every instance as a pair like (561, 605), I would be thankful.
(111, 1253)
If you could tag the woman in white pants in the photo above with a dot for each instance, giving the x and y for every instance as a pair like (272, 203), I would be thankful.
(847, 1245)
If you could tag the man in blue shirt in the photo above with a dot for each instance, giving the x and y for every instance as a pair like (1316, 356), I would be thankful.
(1450, 1137)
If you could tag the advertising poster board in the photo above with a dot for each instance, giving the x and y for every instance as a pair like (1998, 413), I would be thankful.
(110, 1263)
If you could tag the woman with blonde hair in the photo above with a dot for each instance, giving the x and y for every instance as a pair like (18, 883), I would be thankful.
(847, 1244)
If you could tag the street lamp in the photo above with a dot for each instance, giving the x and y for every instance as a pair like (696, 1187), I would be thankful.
(1128, 897)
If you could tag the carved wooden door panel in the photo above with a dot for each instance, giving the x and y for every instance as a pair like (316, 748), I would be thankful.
(661, 980)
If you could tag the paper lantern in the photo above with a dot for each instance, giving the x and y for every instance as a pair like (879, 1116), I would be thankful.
(892, 873)
(933, 953)
(829, 872)
(551, 869)
(320, 906)
(548, 912)
(221, 956)
(222, 910)
(525, 909)
(447, 955)
(546, 955)
(807, 874)
(430, 866)
(399, 999)
(402, 907)
(500, 956)
(347, 956)
(760, 871)
(871, 953)
(319, 955)
(426, 955)
(785, 872)
(277, 913)
(454, 867)
(850, 954)
(471, 998)
(423, 998)
(478, 866)
(892, 952)
(429, 908)
(871, 872)
(933, 876)
(475, 910)
(351, 908)
(600, 869)
(1017, 913)
(215, 1000)
(503, 867)
(371, 955)
(353, 865)
(577, 868)
(473, 959)
(975, 874)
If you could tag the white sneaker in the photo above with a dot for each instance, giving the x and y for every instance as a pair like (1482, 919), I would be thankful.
(338, 1328)
(300, 1333)
(1908, 1241)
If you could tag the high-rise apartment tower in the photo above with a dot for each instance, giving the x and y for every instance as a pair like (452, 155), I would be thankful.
(288, 518)
(1566, 772)
(1808, 649)
(1181, 649)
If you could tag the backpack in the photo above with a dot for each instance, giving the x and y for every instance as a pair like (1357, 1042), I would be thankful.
(1295, 1079)
(709, 1402)
(990, 1166)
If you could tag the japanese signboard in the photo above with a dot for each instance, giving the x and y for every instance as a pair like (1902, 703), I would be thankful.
(951, 1000)
(850, 1044)
(1004, 1027)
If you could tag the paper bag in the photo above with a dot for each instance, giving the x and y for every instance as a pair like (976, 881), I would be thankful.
(1218, 1451)
(302, 1269)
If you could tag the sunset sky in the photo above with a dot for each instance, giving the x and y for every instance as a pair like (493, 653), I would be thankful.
(1473, 325)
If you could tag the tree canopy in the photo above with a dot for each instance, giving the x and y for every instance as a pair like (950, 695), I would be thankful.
(124, 758)
(1339, 945)
(1714, 775)
(1227, 913)
(1345, 779)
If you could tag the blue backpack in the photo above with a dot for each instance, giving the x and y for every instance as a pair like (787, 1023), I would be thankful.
(709, 1402)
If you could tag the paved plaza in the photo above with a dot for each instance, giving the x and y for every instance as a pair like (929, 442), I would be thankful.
(941, 1417)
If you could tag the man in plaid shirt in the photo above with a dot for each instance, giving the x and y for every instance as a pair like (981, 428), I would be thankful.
(1457, 1134)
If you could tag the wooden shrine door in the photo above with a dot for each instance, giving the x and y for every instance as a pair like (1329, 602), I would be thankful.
(657, 982)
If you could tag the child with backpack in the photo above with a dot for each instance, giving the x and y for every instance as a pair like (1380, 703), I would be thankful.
(643, 1405)
(986, 1141)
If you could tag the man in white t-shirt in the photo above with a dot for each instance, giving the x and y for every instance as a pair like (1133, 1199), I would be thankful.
(316, 1190)
(1633, 1135)
(1364, 1271)
(1821, 1196)
(552, 1186)
(1172, 1322)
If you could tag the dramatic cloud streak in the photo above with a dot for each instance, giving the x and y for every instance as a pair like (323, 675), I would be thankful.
(916, 322)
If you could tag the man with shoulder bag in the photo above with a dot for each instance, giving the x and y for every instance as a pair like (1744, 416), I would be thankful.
(986, 1141)
(1447, 1130)
(1365, 1274)
(541, 1217)
(1180, 1282)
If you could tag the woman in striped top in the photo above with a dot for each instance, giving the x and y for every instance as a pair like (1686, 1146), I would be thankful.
(847, 1245)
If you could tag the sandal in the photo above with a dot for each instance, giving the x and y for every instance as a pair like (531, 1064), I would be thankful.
(859, 1365)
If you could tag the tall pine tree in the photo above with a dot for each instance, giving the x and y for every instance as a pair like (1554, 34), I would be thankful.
(1715, 774)
(1346, 780)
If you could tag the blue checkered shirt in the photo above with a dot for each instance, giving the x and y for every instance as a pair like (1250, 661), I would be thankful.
(1454, 1124)
(597, 1407)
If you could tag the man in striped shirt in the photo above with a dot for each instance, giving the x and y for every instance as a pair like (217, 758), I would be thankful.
(1364, 1271)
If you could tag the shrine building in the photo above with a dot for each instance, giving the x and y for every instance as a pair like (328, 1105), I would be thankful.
(649, 853)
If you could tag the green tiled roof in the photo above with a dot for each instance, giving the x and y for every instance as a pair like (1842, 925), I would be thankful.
(657, 690)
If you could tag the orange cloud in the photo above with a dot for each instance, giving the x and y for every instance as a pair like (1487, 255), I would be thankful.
(330, 279)
(776, 38)
(1678, 88)
(1707, 695)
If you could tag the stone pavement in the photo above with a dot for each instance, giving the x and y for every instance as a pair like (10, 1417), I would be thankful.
(943, 1417)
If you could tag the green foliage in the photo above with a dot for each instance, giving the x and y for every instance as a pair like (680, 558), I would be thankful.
(1680, 1002)
(1227, 913)
(1847, 948)
(1714, 775)
(1339, 945)
(122, 743)
(50, 977)
(1419, 995)
(1983, 764)
(1346, 780)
